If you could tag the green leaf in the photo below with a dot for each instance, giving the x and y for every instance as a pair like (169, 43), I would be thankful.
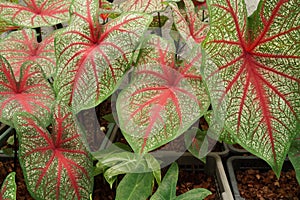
(135, 186)
(167, 188)
(294, 154)
(194, 194)
(258, 60)
(127, 162)
(9, 188)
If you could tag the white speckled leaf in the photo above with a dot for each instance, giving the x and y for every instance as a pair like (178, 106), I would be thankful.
(163, 100)
(35, 13)
(9, 187)
(92, 57)
(258, 60)
(146, 6)
(32, 94)
(56, 165)
(189, 25)
(21, 46)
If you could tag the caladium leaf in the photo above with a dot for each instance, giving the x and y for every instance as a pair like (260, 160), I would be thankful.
(32, 93)
(147, 6)
(128, 162)
(135, 186)
(35, 13)
(189, 24)
(56, 165)
(294, 154)
(258, 60)
(9, 188)
(163, 100)
(92, 57)
(21, 46)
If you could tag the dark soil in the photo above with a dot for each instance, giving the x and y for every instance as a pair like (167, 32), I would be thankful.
(256, 185)
(188, 180)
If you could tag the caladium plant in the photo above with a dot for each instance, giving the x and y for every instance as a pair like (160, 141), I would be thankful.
(31, 93)
(9, 188)
(92, 57)
(21, 46)
(147, 6)
(259, 64)
(163, 99)
(35, 13)
(56, 165)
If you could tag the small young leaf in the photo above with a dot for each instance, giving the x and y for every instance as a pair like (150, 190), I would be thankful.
(167, 188)
(32, 93)
(56, 165)
(35, 13)
(194, 194)
(135, 186)
(9, 188)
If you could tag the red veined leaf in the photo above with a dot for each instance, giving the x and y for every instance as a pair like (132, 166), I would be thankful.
(56, 165)
(35, 13)
(32, 94)
(147, 6)
(104, 5)
(21, 46)
(258, 60)
(92, 57)
(163, 100)
(9, 187)
(189, 24)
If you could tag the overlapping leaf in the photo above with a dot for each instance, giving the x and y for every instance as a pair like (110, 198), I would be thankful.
(162, 100)
(189, 24)
(147, 6)
(32, 93)
(35, 13)
(258, 60)
(21, 46)
(56, 165)
(93, 58)
(9, 188)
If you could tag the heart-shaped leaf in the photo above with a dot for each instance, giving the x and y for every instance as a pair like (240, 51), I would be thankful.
(189, 24)
(258, 60)
(163, 100)
(21, 46)
(35, 13)
(9, 188)
(56, 165)
(32, 94)
(93, 57)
